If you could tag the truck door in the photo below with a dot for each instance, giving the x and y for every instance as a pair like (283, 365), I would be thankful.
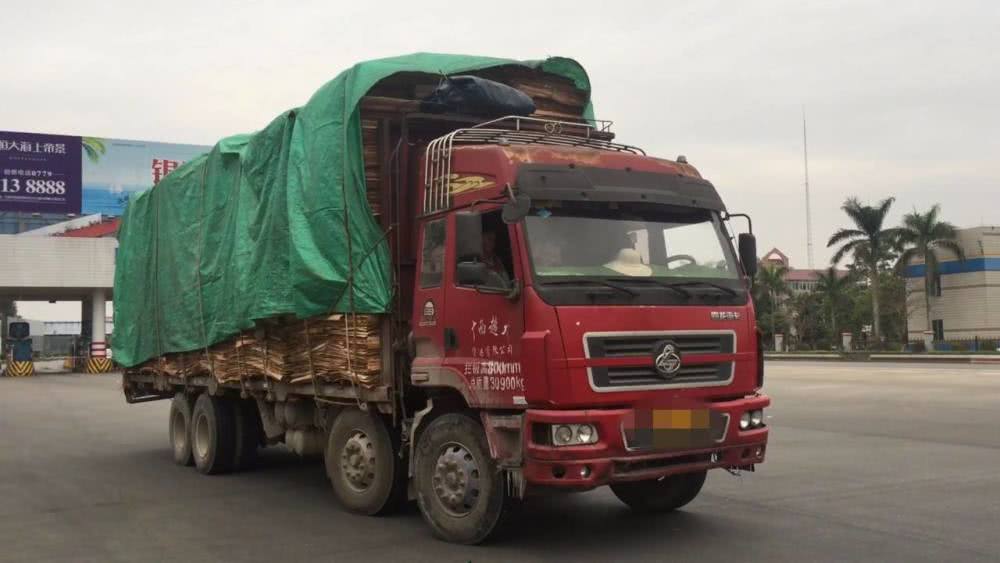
(428, 298)
(484, 317)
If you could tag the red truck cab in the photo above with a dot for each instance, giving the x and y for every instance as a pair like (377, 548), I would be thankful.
(586, 300)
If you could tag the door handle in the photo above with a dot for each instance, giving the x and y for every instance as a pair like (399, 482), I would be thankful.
(450, 338)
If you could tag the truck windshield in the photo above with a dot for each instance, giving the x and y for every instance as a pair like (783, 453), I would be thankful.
(600, 240)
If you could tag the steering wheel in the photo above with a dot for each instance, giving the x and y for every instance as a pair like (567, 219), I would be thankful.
(690, 259)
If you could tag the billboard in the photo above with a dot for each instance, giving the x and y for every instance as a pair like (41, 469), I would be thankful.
(115, 168)
(83, 175)
(39, 173)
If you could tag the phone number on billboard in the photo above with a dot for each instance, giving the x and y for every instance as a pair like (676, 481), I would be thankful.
(33, 187)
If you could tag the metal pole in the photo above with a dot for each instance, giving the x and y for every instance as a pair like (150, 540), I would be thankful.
(805, 159)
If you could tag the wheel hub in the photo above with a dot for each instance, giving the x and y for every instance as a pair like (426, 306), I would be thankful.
(201, 437)
(179, 431)
(357, 461)
(456, 479)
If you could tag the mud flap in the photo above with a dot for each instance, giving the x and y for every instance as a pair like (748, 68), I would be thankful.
(504, 435)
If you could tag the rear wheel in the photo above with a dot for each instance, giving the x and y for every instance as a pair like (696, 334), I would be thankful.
(459, 486)
(180, 429)
(213, 434)
(248, 433)
(361, 462)
(663, 495)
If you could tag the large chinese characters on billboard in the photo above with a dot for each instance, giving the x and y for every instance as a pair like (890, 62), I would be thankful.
(65, 174)
(39, 173)
(115, 168)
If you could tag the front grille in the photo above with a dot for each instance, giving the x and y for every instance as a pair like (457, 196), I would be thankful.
(701, 373)
(647, 375)
(643, 346)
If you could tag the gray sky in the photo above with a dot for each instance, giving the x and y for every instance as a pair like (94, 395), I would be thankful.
(901, 97)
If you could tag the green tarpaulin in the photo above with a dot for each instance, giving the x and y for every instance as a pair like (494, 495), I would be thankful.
(258, 227)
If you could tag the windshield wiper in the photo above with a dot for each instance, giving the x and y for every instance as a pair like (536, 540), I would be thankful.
(605, 283)
(673, 287)
(728, 290)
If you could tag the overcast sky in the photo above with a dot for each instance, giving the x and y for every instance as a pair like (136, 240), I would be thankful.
(902, 98)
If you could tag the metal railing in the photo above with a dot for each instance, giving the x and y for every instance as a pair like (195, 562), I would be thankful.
(510, 130)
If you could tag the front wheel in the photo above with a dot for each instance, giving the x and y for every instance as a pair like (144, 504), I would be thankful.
(660, 495)
(361, 462)
(459, 486)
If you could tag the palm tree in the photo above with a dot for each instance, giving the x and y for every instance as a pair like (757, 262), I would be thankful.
(771, 284)
(869, 244)
(771, 280)
(807, 311)
(833, 287)
(923, 236)
(94, 148)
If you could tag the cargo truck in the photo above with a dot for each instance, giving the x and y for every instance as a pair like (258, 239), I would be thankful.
(481, 308)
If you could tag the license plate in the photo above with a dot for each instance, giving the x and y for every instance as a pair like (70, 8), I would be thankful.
(661, 429)
(680, 419)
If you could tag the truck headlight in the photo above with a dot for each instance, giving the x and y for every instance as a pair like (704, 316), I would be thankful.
(562, 435)
(585, 433)
(744, 421)
(573, 434)
(757, 418)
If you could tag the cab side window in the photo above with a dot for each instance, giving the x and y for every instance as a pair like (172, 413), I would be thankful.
(495, 253)
(432, 254)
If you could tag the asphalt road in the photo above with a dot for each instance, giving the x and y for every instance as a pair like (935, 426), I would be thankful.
(866, 462)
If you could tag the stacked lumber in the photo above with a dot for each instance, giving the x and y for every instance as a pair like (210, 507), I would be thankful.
(555, 97)
(333, 347)
(185, 364)
(370, 132)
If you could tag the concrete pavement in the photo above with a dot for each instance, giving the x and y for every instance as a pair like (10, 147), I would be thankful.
(868, 462)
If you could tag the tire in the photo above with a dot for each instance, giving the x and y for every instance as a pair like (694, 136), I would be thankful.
(248, 434)
(213, 434)
(361, 462)
(460, 489)
(664, 495)
(179, 425)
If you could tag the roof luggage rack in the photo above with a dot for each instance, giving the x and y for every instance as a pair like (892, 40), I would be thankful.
(510, 130)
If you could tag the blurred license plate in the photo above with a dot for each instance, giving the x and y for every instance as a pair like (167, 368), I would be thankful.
(661, 429)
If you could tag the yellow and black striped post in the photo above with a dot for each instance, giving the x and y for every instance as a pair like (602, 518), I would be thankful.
(99, 365)
(99, 362)
(20, 369)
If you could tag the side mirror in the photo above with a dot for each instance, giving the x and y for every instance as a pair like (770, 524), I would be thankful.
(471, 273)
(468, 237)
(516, 209)
(748, 253)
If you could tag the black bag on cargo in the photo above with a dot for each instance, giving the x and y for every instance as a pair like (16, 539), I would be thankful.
(471, 95)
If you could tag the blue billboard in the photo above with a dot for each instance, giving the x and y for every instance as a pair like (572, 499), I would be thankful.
(81, 175)
(115, 168)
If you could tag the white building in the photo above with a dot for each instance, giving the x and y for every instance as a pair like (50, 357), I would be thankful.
(965, 296)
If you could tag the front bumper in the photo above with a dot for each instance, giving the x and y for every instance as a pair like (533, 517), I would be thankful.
(611, 461)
